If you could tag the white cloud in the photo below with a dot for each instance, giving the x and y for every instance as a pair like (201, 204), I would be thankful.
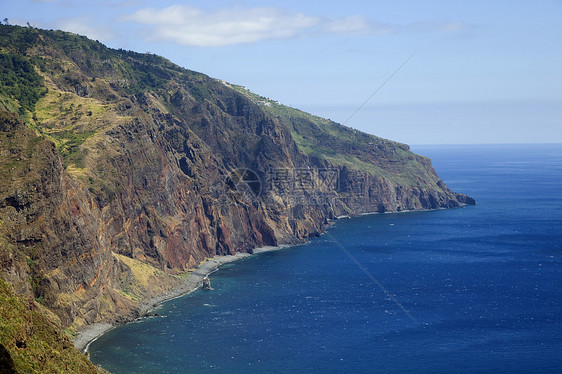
(191, 26)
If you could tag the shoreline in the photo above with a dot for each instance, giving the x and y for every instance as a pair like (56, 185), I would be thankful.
(90, 333)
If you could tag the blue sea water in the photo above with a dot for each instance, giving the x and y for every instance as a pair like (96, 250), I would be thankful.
(470, 290)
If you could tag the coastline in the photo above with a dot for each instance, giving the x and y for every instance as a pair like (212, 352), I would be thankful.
(88, 334)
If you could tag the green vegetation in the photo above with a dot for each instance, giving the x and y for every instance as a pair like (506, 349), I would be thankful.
(70, 120)
(17, 39)
(32, 336)
(69, 146)
(19, 81)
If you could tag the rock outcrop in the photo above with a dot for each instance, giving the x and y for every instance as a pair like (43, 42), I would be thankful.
(207, 284)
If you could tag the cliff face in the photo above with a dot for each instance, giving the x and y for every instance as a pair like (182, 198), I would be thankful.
(121, 170)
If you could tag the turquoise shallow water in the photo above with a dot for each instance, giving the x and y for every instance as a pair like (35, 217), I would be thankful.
(473, 290)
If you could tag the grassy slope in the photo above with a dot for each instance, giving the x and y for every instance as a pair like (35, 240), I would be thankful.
(34, 340)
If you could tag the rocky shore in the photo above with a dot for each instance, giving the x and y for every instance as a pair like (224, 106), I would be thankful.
(193, 281)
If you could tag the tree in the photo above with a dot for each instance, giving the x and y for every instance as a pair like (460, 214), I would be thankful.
(6, 21)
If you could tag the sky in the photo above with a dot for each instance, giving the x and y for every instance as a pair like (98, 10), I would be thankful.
(418, 72)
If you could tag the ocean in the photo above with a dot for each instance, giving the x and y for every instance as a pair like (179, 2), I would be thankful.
(476, 289)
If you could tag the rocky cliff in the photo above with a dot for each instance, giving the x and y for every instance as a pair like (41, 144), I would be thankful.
(120, 171)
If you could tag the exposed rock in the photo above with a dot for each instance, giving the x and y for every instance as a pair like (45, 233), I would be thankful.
(206, 285)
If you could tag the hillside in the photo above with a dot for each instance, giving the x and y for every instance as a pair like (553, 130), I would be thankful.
(121, 171)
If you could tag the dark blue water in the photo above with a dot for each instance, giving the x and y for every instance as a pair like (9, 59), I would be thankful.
(473, 290)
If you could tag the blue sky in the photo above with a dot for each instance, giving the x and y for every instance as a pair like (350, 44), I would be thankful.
(481, 71)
